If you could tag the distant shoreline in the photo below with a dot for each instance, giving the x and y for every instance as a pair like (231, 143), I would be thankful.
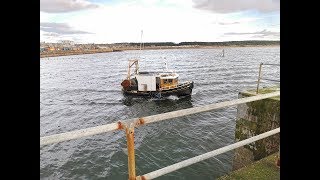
(80, 52)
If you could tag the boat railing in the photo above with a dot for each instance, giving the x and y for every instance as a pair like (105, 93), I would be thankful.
(168, 87)
(175, 86)
(129, 126)
(184, 83)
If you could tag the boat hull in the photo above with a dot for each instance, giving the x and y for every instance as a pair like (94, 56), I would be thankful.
(181, 90)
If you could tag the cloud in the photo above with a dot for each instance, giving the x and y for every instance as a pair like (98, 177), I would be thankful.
(228, 23)
(126, 19)
(238, 20)
(62, 6)
(59, 29)
(51, 34)
(230, 6)
(258, 34)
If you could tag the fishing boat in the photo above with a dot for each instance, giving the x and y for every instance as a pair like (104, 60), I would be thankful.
(154, 84)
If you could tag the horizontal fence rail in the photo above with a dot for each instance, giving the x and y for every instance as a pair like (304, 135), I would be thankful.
(56, 138)
(271, 64)
(269, 79)
(205, 156)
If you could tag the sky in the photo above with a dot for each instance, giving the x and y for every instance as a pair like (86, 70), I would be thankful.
(118, 21)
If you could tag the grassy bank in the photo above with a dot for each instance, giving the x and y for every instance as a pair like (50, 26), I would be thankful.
(264, 90)
(263, 169)
(68, 53)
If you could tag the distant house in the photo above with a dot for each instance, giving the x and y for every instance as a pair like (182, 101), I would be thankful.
(66, 42)
(66, 48)
(103, 47)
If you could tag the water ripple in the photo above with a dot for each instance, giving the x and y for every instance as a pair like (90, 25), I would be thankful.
(84, 91)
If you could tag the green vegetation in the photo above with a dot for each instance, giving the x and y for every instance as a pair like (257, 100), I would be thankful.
(263, 91)
(226, 43)
(263, 169)
(232, 43)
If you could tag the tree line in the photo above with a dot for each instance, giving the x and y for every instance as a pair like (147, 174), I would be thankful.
(225, 43)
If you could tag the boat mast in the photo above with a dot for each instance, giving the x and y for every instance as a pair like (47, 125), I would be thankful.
(141, 40)
(137, 65)
(134, 62)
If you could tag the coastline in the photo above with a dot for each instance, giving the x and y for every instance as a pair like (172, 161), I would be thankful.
(69, 53)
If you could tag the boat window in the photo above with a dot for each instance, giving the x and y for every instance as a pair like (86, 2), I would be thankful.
(167, 81)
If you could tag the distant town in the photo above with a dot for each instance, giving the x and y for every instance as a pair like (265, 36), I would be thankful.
(67, 47)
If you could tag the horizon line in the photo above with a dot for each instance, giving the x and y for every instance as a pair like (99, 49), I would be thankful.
(171, 42)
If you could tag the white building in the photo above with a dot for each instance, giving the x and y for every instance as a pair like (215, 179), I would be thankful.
(66, 42)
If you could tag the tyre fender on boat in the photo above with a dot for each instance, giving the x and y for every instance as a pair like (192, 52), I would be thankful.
(125, 84)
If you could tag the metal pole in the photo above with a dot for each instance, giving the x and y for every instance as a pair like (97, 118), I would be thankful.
(137, 67)
(131, 155)
(128, 76)
(259, 77)
(141, 40)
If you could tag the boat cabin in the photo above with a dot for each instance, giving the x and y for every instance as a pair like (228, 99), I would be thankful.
(152, 81)
(168, 80)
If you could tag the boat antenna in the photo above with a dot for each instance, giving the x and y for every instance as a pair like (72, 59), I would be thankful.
(167, 69)
(141, 40)
(140, 48)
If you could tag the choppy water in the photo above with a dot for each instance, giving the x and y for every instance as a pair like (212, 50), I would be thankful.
(83, 91)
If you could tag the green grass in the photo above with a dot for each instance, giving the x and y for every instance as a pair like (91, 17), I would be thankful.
(264, 90)
(263, 169)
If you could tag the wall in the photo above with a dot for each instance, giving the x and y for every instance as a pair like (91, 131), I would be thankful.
(253, 119)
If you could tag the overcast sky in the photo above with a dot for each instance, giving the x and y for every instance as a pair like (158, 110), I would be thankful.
(111, 21)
